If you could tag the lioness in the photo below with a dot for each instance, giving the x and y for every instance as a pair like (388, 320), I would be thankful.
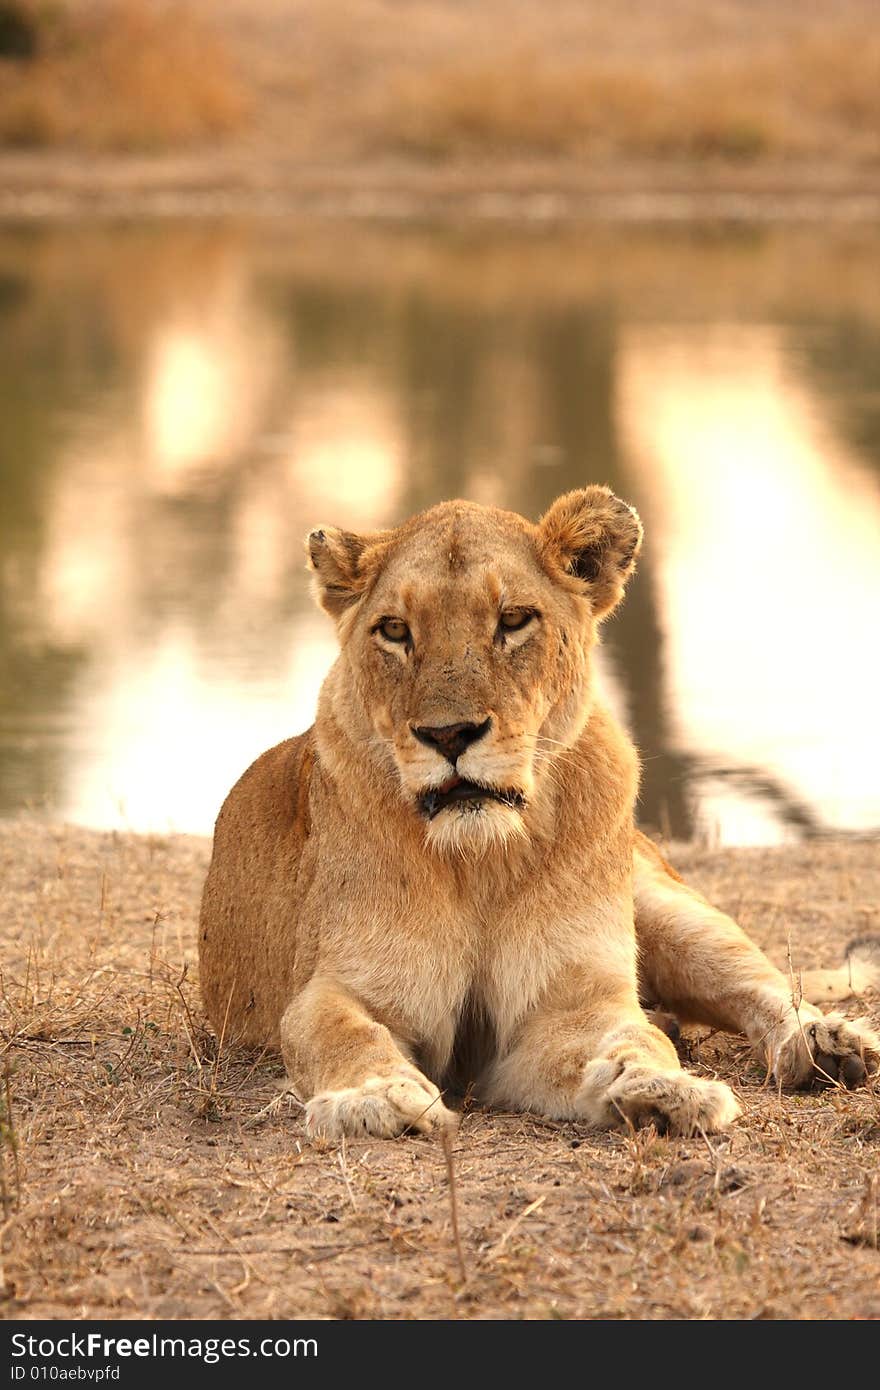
(440, 882)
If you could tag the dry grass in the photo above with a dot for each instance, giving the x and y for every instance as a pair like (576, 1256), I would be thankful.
(802, 99)
(517, 106)
(436, 81)
(119, 75)
(149, 1173)
(508, 79)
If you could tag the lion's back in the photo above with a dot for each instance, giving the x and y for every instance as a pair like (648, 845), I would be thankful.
(246, 962)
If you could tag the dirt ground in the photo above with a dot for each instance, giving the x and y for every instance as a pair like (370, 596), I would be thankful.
(147, 1176)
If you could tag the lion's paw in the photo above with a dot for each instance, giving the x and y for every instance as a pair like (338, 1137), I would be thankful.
(826, 1050)
(383, 1106)
(616, 1095)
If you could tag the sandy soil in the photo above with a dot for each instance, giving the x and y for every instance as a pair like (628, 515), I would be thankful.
(147, 1176)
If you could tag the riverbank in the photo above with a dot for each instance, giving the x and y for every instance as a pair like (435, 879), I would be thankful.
(149, 1174)
(434, 110)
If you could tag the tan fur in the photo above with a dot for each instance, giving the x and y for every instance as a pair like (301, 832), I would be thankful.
(391, 953)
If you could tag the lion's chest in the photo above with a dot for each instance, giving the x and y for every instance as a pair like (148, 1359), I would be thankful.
(428, 973)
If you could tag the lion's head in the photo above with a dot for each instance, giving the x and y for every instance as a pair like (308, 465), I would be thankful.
(466, 636)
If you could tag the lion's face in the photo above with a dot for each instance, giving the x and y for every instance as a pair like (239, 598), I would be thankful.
(466, 638)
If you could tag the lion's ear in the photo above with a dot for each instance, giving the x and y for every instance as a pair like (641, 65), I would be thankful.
(343, 564)
(594, 538)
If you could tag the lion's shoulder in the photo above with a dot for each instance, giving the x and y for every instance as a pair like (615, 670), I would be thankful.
(272, 797)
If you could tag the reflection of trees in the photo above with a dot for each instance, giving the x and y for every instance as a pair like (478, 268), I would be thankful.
(636, 638)
(182, 550)
(523, 393)
(62, 358)
(34, 736)
(578, 351)
(842, 362)
(439, 364)
(504, 396)
(36, 674)
(429, 355)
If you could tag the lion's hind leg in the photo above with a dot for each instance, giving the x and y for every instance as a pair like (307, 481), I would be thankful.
(696, 962)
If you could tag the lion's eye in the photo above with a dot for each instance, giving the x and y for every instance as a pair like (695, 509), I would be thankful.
(512, 619)
(394, 630)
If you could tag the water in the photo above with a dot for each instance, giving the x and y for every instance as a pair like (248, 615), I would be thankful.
(180, 403)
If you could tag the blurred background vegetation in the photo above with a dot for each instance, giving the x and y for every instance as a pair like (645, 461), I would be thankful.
(437, 80)
(121, 75)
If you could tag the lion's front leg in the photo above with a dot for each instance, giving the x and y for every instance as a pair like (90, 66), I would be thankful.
(625, 1085)
(353, 1074)
(600, 1059)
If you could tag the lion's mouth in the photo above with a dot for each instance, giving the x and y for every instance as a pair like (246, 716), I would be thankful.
(458, 789)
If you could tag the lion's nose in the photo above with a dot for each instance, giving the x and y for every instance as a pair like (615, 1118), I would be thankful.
(452, 739)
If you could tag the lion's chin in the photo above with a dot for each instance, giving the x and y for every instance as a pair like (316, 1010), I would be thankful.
(472, 829)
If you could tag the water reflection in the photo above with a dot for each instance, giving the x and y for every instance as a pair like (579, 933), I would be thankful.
(180, 404)
(766, 527)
